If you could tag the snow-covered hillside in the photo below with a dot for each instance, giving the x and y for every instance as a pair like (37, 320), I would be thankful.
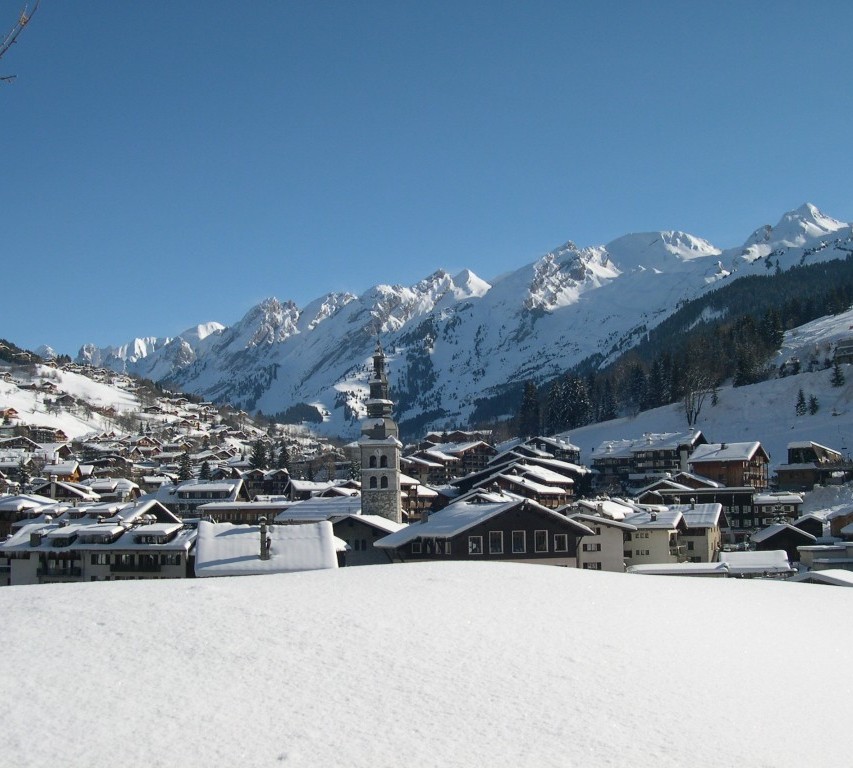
(436, 664)
(765, 411)
(453, 339)
(32, 404)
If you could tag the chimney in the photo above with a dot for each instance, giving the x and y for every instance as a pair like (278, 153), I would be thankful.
(653, 515)
(266, 541)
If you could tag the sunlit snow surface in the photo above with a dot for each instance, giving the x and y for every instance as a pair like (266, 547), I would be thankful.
(451, 664)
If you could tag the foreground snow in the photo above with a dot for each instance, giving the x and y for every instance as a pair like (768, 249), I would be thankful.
(433, 664)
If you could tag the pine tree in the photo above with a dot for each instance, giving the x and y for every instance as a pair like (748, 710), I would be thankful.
(800, 407)
(528, 415)
(814, 406)
(283, 461)
(259, 455)
(185, 467)
(204, 472)
(837, 379)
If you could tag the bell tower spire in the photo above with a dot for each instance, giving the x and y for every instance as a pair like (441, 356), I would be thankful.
(379, 448)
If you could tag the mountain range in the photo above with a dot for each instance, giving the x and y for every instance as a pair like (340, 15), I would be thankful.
(453, 339)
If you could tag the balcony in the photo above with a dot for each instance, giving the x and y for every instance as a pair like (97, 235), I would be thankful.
(73, 572)
(149, 567)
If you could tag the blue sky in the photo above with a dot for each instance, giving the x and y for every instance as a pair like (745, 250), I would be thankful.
(167, 164)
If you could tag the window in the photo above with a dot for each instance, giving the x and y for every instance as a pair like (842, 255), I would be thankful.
(100, 559)
(383, 483)
(519, 542)
(475, 545)
(372, 462)
(383, 461)
(496, 542)
(592, 547)
(372, 482)
(561, 542)
(540, 541)
(592, 566)
(416, 547)
(641, 552)
(690, 546)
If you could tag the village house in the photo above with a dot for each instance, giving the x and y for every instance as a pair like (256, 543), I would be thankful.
(143, 541)
(186, 497)
(781, 536)
(604, 550)
(489, 526)
(810, 464)
(703, 537)
(778, 506)
(657, 538)
(733, 464)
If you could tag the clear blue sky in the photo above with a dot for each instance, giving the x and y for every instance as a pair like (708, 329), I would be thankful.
(170, 163)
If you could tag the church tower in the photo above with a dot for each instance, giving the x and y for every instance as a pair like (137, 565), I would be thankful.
(379, 448)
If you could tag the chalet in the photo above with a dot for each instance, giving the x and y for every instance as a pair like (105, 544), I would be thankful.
(147, 542)
(625, 463)
(186, 497)
(838, 519)
(779, 506)
(360, 532)
(66, 492)
(556, 447)
(781, 536)
(489, 526)
(733, 464)
(67, 471)
(811, 523)
(518, 484)
(811, 464)
(843, 351)
(15, 508)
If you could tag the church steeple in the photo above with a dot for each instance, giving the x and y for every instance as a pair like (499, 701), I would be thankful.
(379, 424)
(380, 449)
(379, 406)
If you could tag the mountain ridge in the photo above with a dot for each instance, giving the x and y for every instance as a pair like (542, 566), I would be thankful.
(452, 339)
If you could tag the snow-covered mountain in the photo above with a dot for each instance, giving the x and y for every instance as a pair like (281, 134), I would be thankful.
(453, 339)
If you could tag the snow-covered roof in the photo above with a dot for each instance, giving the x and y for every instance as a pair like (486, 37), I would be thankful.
(320, 508)
(606, 508)
(777, 497)
(699, 515)
(223, 549)
(714, 452)
(659, 518)
(776, 528)
(837, 577)
(773, 561)
(464, 514)
(680, 569)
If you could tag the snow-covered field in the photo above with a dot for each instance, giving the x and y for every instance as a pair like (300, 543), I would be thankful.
(438, 664)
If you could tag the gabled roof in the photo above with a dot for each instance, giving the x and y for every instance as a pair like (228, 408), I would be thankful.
(470, 511)
(700, 515)
(721, 452)
(776, 528)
